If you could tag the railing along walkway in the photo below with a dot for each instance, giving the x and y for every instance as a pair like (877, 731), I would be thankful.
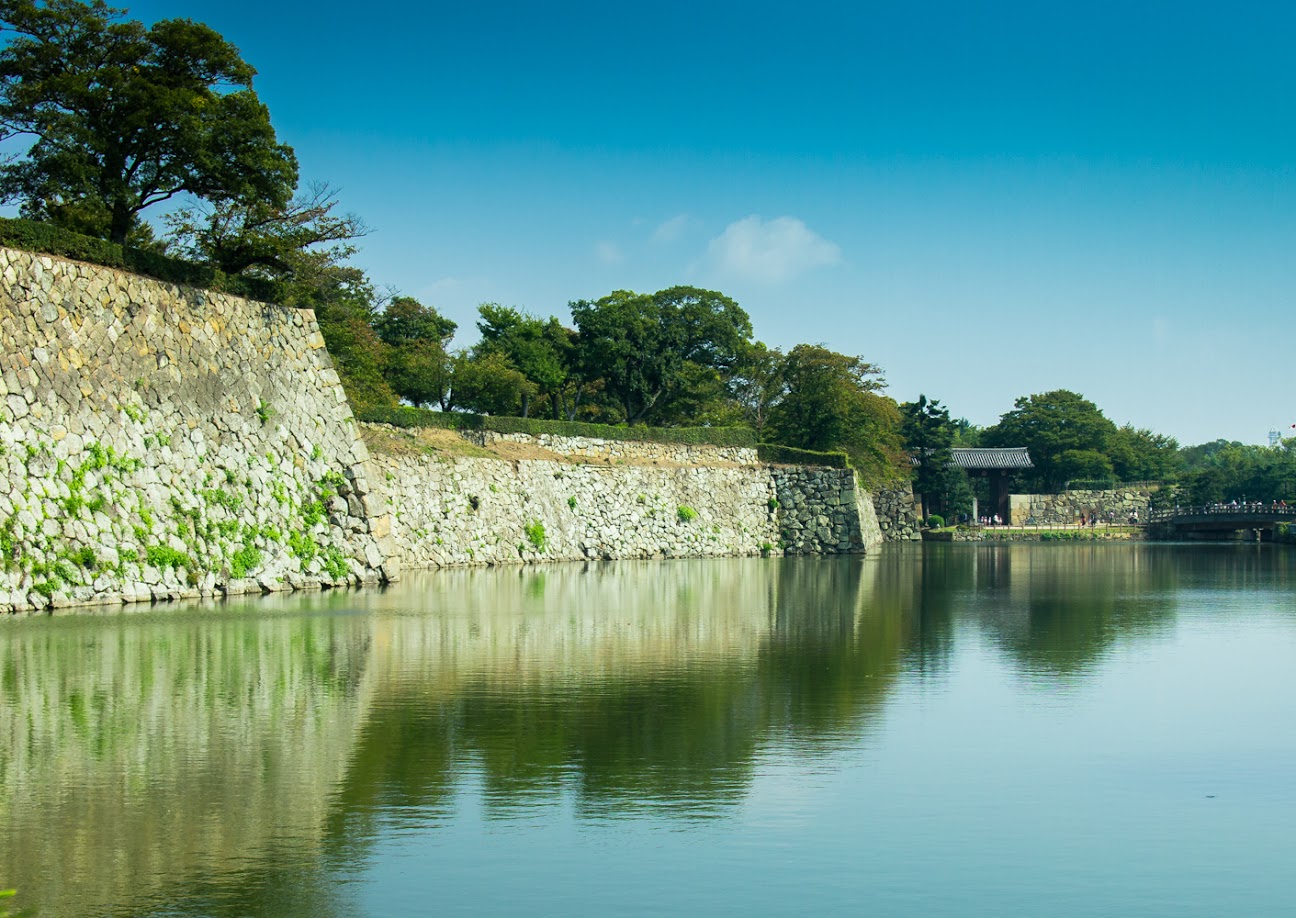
(1243, 513)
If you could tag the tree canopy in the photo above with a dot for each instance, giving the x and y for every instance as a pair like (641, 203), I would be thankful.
(1061, 429)
(122, 117)
(642, 345)
(833, 402)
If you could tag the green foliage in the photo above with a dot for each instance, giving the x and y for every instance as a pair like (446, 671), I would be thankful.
(124, 117)
(487, 383)
(935, 521)
(8, 542)
(312, 513)
(1064, 433)
(928, 435)
(538, 349)
(265, 240)
(1223, 471)
(48, 239)
(244, 561)
(833, 403)
(757, 382)
(264, 411)
(420, 372)
(777, 454)
(685, 514)
(772, 503)
(1141, 455)
(219, 497)
(335, 562)
(571, 502)
(642, 345)
(302, 545)
(165, 557)
(405, 319)
(1080, 464)
(330, 483)
(1074, 535)
(535, 533)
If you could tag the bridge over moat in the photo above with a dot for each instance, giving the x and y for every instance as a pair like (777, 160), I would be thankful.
(1218, 520)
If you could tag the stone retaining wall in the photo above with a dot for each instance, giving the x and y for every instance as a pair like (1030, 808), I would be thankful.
(459, 510)
(897, 514)
(161, 442)
(822, 511)
(1066, 508)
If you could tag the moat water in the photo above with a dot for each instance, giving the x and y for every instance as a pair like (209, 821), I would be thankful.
(966, 730)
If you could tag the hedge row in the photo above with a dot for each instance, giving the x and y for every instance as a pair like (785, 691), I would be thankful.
(421, 417)
(789, 455)
(47, 239)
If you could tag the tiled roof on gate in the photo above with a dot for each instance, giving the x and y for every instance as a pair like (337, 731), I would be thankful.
(1013, 457)
(1009, 457)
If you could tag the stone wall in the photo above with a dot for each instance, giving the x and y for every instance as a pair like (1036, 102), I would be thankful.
(1066, 508)
(897, 514)
(161, 442)
(822, 511)
(467, 510)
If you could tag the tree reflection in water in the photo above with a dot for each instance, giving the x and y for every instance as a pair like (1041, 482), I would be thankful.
(241, 757)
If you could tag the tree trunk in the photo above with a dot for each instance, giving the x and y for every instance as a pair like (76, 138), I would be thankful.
(121, 223)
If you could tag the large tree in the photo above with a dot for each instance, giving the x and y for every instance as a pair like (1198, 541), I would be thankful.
(639, 346)
(536, 348)
(756, 382)
(122, 117)
(928, 436)
(418, 366)
(834, 402)
(1062, 430)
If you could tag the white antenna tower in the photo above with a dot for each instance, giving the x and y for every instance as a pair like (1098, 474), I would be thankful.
(1274, 437)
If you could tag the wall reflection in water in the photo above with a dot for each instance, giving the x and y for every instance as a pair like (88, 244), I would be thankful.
(240, 758)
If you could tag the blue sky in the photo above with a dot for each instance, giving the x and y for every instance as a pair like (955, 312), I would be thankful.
(988, 200)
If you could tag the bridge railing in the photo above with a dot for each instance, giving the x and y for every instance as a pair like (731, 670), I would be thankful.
(1233, 511)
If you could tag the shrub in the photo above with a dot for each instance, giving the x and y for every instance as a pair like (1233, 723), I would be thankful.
(244, 561)
(47, 239)
(686, 514)
(535, 533)
(776, 454)
(935, 521)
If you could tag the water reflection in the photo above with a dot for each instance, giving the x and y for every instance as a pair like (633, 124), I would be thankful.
(240, 759)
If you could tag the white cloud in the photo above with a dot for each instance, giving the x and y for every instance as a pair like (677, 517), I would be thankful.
(671, 229)
(770, 250)
(609, 253)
